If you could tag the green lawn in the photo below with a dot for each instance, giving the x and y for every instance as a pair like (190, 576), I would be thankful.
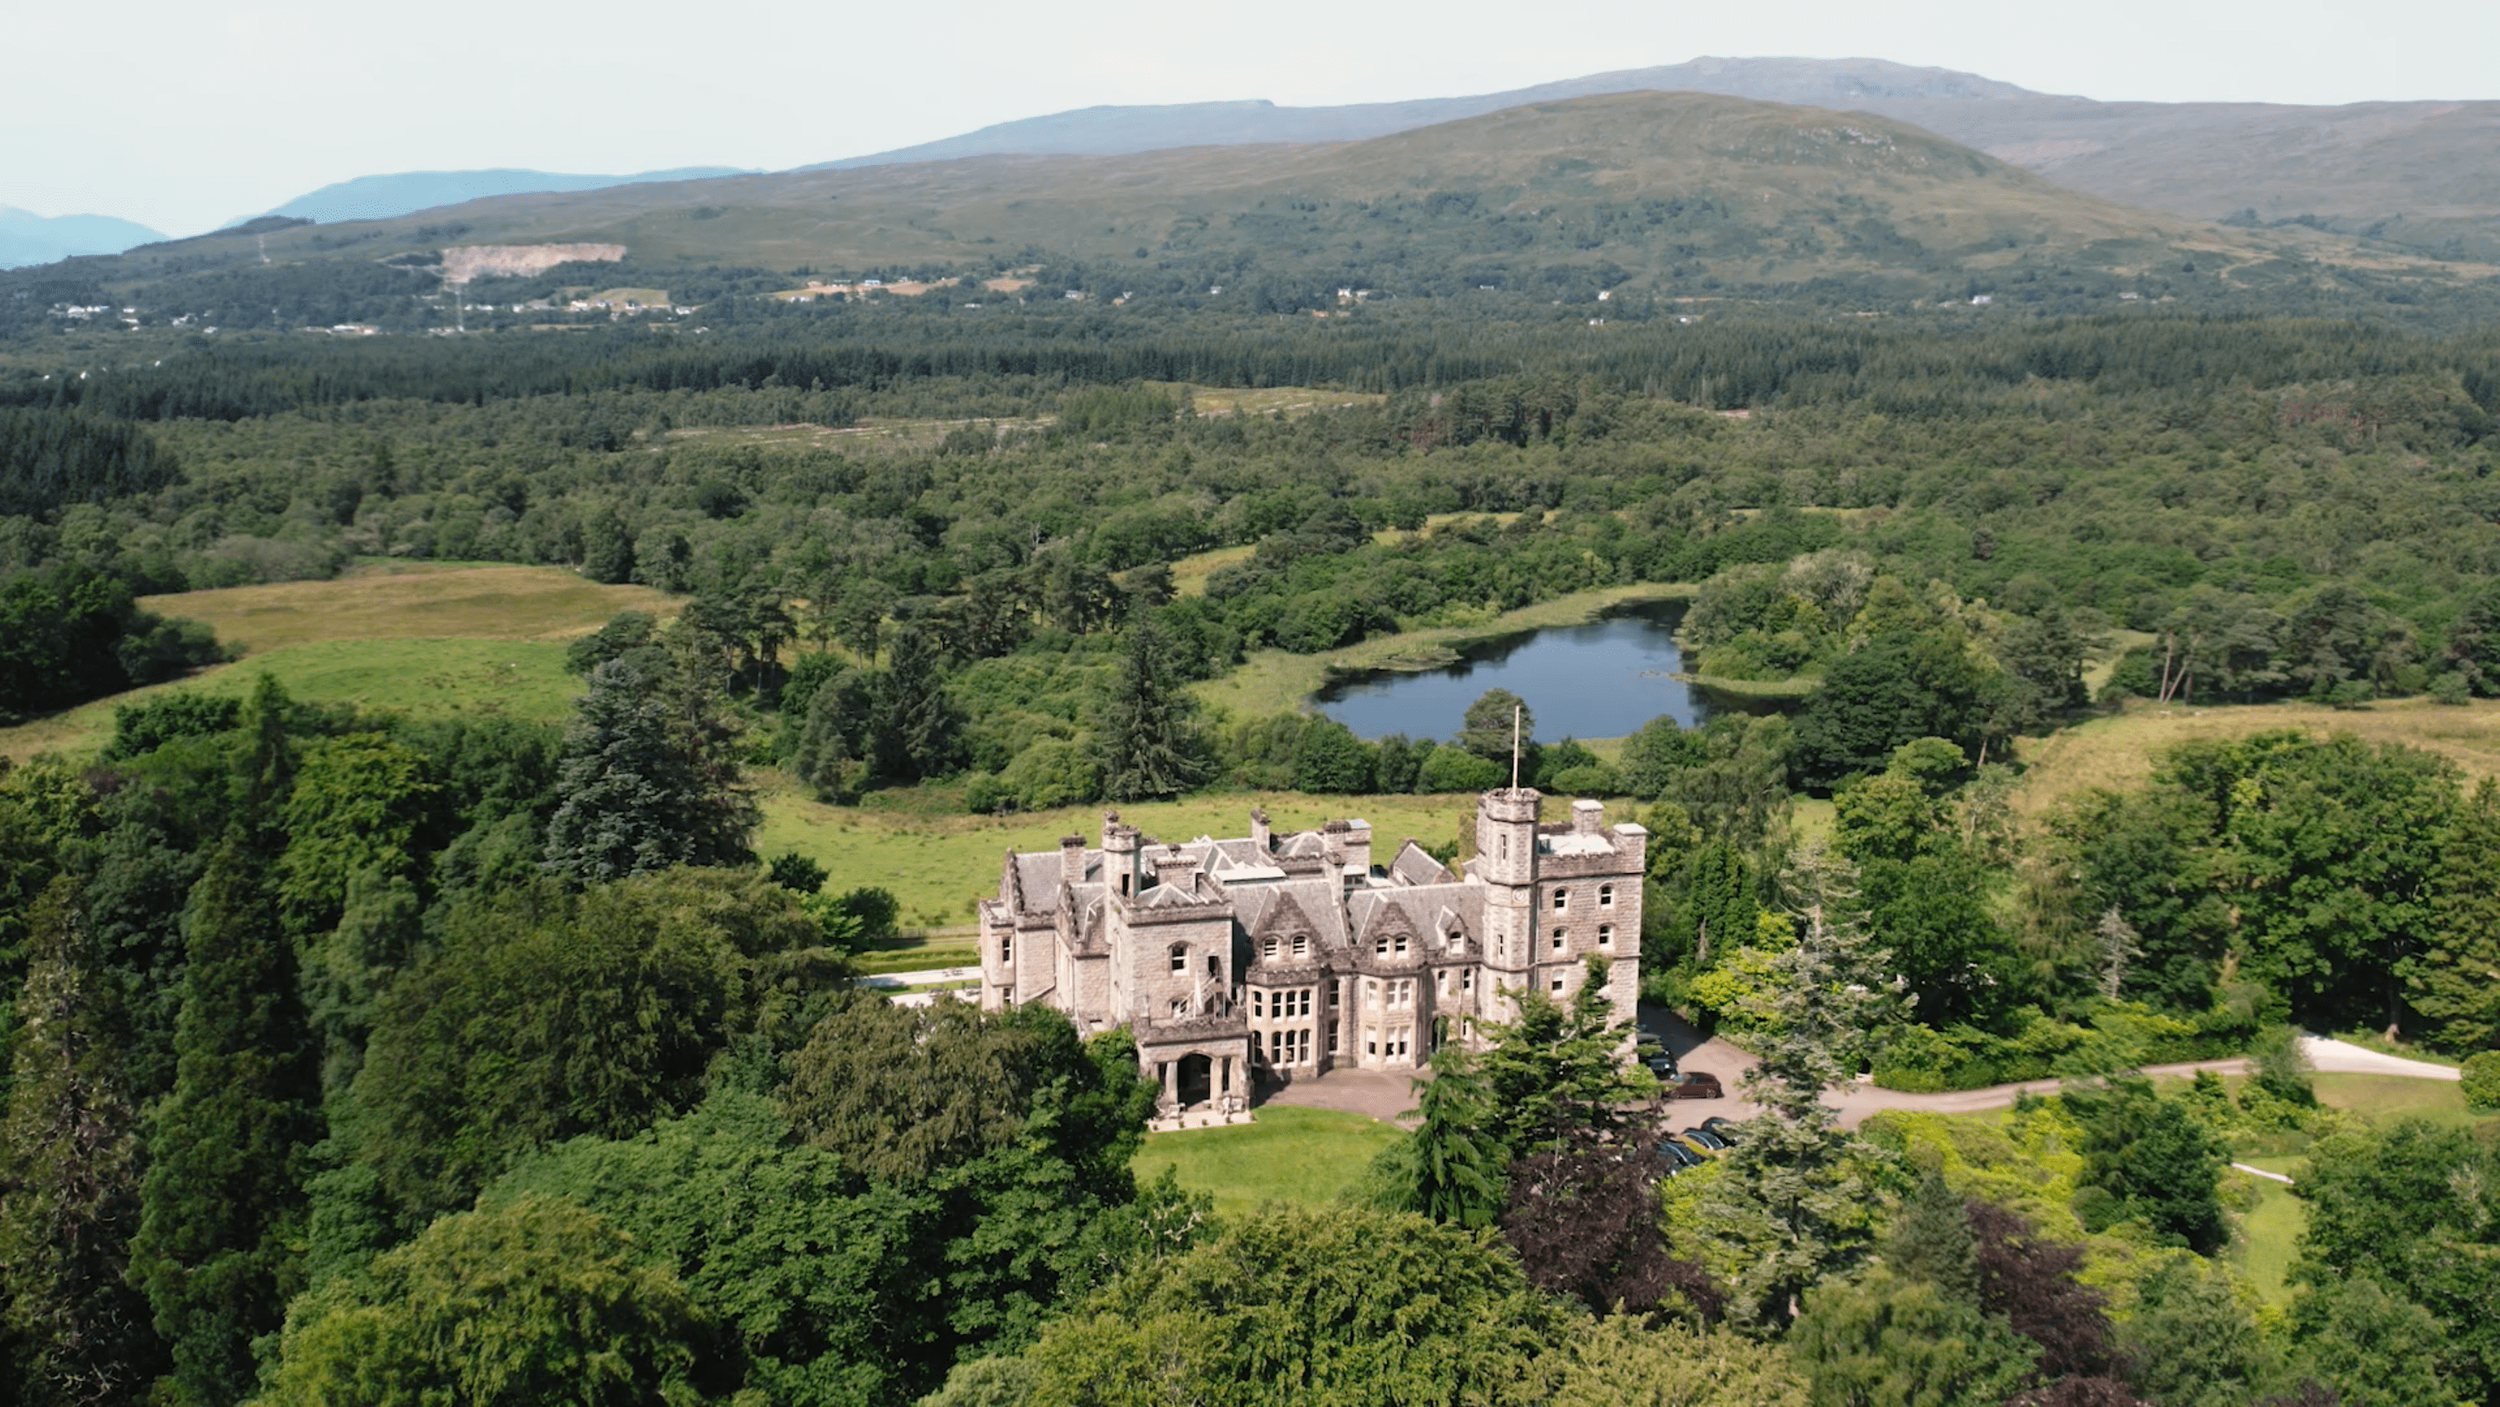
(940, 864)
(1291, 1154)
(2270, 1230)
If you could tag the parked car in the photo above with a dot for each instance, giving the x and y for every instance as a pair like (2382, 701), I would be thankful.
(1676, 1153)
(1695, 1084)
(1723, 1127)
(1659, 1063)
(1709, 1141)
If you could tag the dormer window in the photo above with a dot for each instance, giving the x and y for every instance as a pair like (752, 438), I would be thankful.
(1180, 959)
(1380, 946)
(1301, 945)
(1401, 945)
(1454, 940)
(1267, 950)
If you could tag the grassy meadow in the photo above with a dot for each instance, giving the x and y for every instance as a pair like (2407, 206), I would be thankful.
(1291, 1153)
(424, 639)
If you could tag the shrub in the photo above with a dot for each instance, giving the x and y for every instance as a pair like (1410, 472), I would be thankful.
(1457, 769)
(2482, 1082)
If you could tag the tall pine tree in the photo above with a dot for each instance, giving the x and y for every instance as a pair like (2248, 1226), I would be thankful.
(222, 1206)
(2455, 983)
(69, 1179)
(646, 781)
(1148, 747)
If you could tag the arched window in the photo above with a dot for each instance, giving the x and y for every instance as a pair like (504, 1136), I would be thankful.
(1180, 958)
(1301, 945)
(1267, 950)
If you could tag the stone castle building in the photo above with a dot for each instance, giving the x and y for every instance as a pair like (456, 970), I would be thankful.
(1273, 957)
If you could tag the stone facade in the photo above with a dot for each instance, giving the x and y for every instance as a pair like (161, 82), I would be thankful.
(1274, 957)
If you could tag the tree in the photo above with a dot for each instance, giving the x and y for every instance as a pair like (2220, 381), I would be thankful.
(641, 786)
(1624, 1362)
(1337, 1307)
(2372, 1348)
(1932, 1241)
(1555, 1074)
(1655, 753)
(1885, 1339)
(2454, 985)
(1497, 725)
(1453, 1152)
(69, 1179)
(913, 727)
(223, 1203)
(2416, 1208)
(1792, 1205)
(1895, 688)
(1332, 759)
(529, 1301)
(824, 1279)
(2030, 1281)
(1584, 1219)
(2192, 1342)
(543, 1013)
(1148, 746)
(2157, 1159)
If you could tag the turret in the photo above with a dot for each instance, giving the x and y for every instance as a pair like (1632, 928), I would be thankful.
(1506, 835)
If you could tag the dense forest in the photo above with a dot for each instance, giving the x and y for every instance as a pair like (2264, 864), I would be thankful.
(364, 1057)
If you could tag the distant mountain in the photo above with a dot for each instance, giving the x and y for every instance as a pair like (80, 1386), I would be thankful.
(29, 238)
(406, 192)
(1107, 131)
(1681, 195)
(2423, 174)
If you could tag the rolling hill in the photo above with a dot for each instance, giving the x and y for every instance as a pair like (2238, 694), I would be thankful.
(1665, 194)
(2425, 175)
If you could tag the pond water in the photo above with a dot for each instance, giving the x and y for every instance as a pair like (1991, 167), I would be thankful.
(1599, 680)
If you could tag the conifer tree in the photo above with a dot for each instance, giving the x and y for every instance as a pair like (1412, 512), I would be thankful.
(1148, 747)
(1793, 1202)
(645, 782)
(913, 726)
(69, 1178)
(1456, 1159)
(1932, 1241)
(221, 1207)
(2453, 984)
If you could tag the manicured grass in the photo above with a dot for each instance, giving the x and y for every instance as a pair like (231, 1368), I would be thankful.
(939, 865)
(1274, 681)
(2270, 1229)
(2384, 1098)
(1290, 1154)
(2120, 751)
(522, 678)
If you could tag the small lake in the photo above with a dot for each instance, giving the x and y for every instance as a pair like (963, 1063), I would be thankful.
(1599, 680)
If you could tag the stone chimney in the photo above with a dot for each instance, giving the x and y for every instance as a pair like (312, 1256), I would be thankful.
(1588, 817)
(1259, 833)
(1174, 867)
(1358, 850)
(1072, 858)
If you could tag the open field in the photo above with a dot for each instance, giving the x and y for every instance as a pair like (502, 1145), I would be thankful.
(940, 865)
(523, 678)
(389, 601)
(425, 637)
(1261, 400)
(1290, 1154)
(2120, 751)
(1274, 681)
(2270, 1229)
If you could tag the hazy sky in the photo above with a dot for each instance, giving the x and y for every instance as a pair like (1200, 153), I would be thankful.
(182, 114)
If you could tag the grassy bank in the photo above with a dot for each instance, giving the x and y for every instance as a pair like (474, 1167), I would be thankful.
(1274, 681)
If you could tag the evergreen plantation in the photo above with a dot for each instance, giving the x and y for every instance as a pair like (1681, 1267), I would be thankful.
(359, 1056)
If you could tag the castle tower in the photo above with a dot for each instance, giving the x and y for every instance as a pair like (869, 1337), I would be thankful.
(1506, 863)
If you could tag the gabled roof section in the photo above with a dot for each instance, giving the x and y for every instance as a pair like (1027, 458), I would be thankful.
(1412, 866)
